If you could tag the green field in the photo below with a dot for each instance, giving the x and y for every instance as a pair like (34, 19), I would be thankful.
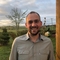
(5, 51)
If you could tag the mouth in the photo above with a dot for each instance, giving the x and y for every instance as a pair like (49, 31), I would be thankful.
(35, 27)
(34, 31)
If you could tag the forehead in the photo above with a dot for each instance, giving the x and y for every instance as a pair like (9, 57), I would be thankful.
(32, 16)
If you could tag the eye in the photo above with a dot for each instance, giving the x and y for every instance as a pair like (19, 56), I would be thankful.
(36, 21)
(30, 22)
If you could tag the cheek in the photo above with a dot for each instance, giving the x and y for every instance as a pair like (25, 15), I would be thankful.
(27, 26)
(40, 24)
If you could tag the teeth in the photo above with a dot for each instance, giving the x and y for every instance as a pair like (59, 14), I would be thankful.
(34, 28)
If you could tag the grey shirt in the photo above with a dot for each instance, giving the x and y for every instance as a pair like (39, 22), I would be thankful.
(24, 49)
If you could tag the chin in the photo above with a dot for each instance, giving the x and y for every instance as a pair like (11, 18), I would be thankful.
(34, 34)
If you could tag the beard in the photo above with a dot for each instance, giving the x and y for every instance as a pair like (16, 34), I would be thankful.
(35, 33)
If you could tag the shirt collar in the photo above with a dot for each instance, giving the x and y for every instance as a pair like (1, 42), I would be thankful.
(40, 38)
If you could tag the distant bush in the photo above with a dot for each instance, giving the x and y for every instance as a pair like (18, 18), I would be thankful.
(4, 37)
(53, 33)
(22, 32)
(12, 34)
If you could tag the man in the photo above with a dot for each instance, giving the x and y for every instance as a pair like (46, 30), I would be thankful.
(33, 45)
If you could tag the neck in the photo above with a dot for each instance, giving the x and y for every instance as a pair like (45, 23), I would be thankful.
(34, 38)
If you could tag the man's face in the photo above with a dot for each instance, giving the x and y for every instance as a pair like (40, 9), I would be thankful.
(33, 24)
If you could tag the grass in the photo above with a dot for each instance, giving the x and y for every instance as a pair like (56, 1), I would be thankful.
(5, 51)
(53, 39)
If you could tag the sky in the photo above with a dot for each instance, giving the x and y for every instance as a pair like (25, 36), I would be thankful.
(46, 8)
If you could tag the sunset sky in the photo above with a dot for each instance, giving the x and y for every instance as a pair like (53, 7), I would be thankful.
(46, 8)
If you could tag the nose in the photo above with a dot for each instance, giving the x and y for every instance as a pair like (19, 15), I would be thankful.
(33, 24)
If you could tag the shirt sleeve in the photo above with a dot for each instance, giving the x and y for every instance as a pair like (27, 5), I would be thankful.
(13, 53)
(51, 52)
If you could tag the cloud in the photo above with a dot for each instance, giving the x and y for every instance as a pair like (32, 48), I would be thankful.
(4, 2)
(8, 22)
(2, 12)
(5, 22)
(24, 4)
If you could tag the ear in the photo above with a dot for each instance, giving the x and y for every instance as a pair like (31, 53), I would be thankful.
(40, 23)
(26, 25)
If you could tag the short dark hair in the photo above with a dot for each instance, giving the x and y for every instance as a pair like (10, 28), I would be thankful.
(32, 13)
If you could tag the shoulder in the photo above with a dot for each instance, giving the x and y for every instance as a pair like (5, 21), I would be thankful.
(45, 39)
(20, 38)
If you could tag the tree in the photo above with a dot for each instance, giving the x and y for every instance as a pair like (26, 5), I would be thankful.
(4, 37)
(16, 16)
